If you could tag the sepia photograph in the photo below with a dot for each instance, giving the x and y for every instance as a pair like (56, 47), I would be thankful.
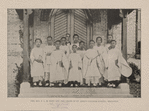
(73, 53)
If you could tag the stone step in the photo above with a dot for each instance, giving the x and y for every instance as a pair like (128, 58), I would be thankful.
(77, 92)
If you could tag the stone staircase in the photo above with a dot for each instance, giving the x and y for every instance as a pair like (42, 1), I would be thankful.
(72, 92)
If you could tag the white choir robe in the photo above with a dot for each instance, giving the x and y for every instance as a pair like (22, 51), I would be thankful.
(57, 71)
(77, 44)
(74, 73)
(47, 60)
(102, 51)
(91, 65)
(65, 49)
(114, 71)
(37, 69)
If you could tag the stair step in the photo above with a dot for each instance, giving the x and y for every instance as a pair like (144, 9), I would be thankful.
(76, 92)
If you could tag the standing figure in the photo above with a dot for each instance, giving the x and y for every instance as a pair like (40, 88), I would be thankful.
(116, 66)
(81, 50)
(48, 49)
(75, 73)
(37, 65)
(91, 63)
(75, 41)
(64, 47)
(103, 57)
(59, 62)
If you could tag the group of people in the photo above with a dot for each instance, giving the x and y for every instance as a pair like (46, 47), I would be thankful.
(62, 63)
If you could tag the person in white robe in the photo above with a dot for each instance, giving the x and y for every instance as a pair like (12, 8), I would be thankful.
(64, 47)
(91, 65)
(48, 49)
(75, 41)
(81, 50)
(66, 50)
(117, 65)
(37, 65)
(103, 57)
(59, 62)
(75, 67)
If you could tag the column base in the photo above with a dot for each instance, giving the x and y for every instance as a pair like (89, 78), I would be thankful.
(24, 88)
(124, 87)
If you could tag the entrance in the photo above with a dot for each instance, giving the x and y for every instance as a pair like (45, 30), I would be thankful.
(72, 22)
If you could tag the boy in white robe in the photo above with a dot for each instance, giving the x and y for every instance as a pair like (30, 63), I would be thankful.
(64, 47)
(37, 65)
(75, 73)
(59, 62)
(81, 50)
(103, 57)
(116, 66)
(48, 49)
(75, 41)
(91, 63)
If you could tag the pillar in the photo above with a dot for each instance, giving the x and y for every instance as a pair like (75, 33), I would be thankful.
(25, 46)
(124, 37)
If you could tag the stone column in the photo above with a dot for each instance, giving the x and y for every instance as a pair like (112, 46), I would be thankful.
(124, 37)
(25, 85)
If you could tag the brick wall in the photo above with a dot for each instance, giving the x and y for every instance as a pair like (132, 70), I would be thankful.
(14, 50)
(100, 24)
(116, 32)
(131, 33)
(41, 28)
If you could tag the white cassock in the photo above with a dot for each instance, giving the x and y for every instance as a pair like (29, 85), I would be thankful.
(114, 71)
(77, 44)
(57, 72)
(75, 74)
(37, 69)
(102, 51)
(91, 62)
(47, 58)
(65, 49)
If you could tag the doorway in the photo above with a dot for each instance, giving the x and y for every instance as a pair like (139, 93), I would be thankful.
(74, 21)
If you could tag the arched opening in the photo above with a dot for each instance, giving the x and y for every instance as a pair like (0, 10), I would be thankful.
(72, 21)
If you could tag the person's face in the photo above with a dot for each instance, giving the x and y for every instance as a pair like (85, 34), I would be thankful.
(110, 38)
(74, 48)
(67, 36)
(63, 41)
(92, 44)
(57, 45)
(113, 44)
(81, 44)
(76, 39)
(49, 41)
(99, 41)
(38, 43)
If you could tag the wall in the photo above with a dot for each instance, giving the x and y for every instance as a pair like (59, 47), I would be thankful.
(41, 28)
(100, 24)
(14, 50)
(116, 32)
(131, 33)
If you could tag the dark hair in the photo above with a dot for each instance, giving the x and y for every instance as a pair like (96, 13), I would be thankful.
(67, 34)
(98, 38)
(74, 45)
(58, 41)
(112, 41)
(63, 38)
(81, 42)
(68, 42)
(92, 41)
(49, 37)
(110, 35)
(75, 35)
(38, 39)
